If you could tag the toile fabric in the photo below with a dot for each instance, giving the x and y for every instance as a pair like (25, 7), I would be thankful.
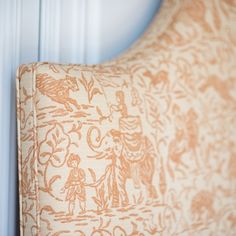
(141, 145)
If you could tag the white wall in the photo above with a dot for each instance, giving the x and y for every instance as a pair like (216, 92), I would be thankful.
(68, 31)
(91, 31)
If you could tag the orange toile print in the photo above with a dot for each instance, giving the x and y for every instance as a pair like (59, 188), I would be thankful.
(59, 90)
(141, 145)
(75, 185)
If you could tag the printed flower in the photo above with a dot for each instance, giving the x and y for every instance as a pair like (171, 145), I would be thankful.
(54, 148)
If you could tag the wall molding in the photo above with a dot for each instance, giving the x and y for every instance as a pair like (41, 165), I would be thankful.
(93, 30)
(49, 30)
(19, 44)
(70, 31)
(10, 28)
(29, 30)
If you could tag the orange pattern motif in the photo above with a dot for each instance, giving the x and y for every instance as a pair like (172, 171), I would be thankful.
(142, 145)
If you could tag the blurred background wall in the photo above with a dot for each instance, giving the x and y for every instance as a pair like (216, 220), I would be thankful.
(66, 31)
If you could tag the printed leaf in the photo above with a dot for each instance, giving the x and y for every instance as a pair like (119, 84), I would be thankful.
(50, 143)
(93, 175)
(44, 154)
(53, 179)
(94, 92)
(59, 150)
(97, 201)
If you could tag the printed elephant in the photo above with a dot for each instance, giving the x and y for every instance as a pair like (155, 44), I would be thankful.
(133, 157)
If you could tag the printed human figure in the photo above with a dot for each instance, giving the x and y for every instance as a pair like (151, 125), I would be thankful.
(75, 185)
(129, 138)
(121, 106)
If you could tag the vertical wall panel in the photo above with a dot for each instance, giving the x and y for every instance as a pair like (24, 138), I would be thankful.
(9, 51)
(18, 44)
(50, 30)
(72, 31)
(62, 31)
(29, 30)
(93, 53)
(91, 31)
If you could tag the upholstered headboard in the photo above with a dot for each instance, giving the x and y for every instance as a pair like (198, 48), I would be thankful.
(141, 145)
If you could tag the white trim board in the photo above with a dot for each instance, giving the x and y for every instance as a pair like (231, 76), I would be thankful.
(18, 44)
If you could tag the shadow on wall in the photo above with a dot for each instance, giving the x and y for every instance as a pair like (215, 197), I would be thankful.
(120, 24)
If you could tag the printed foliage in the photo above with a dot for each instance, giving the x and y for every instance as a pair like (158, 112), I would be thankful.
(54, 149)
(89, 87)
